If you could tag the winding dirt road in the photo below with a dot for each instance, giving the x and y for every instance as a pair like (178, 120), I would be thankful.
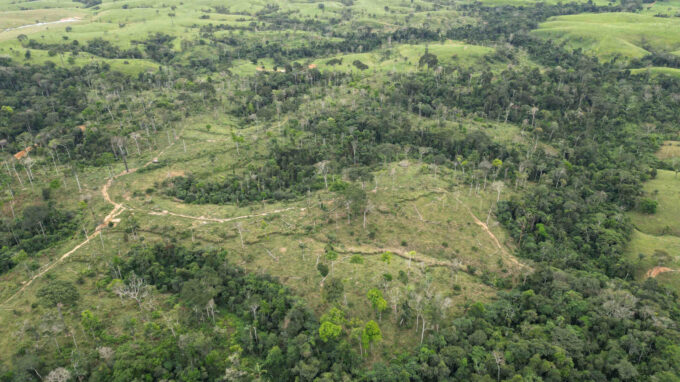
(493, 237)
(118, 208)
(65, 20)
(223, 220)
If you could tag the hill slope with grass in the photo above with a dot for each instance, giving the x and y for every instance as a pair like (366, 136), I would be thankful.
(334, 191)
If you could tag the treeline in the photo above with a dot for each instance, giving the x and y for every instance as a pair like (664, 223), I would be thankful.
(349, 142)
(556, 326)
(591, 115)
(232, 326)
(38, 227)
(68, 114)
(156, 47)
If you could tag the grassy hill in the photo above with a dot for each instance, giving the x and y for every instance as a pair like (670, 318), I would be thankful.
(656, 240)
(608, 35)
(336, 190)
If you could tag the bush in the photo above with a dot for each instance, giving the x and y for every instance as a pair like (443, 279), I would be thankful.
(323, 269)
(648, 206)
(58, 291)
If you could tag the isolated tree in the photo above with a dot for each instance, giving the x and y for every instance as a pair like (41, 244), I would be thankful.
(322, 168)
(135, 137)
(323, 269)
(333, 289)
(59, 374)
(119, 144)
(375, 296)
(331, 256)
(428, 59)
(238, 139)
(355, 200)
(134, 288)
(371, 334)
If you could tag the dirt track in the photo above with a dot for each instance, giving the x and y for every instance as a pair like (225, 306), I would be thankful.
(118, 208)
(658, 270)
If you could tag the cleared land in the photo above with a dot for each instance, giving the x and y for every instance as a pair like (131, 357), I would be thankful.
(656, 241)
(607, 35)
(436, 230)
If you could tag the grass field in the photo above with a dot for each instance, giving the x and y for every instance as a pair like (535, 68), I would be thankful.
(655, 71)
(669, 150)
(666, 190)
(665, 7)
(607, 35)
(439, 231)
(127, 21)
(656, 240)
(404, 58)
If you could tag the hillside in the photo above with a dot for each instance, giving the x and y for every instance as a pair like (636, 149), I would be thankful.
(331, 191)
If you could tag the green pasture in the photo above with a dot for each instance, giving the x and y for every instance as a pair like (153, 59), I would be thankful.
(656, 240)
(665, 189)
(656, 71)
(607, 35)
(405, 57)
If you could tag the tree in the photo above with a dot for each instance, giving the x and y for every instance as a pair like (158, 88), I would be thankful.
(333, 290)
(59, 374)
(331, 256)
(379, 303)
(134, 288)
(238, 139)
(354, 199)
(329, 331)
(428, 59)
(90, 323)
(323, 269)
(371, 334)
(58, 292)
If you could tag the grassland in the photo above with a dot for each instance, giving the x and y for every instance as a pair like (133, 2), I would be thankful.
(607, 35)
(656, 71)
(656, 240)
(666, 8)
(124, 22)
(665, 189)
(404, 58)
(669, 150)
(438, 230)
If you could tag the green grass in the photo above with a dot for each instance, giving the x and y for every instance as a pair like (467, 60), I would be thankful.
(666, 7)
(126, 66)
(404, 57)
(414, 211)
(656, 241)
(649, 251)
(13, 19)
(669, 150)
(531, 2)
(22, 5)
(665, 189)
(656, 71)
(607, 35)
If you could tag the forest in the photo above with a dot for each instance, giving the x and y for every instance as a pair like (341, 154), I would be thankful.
(432, 190)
